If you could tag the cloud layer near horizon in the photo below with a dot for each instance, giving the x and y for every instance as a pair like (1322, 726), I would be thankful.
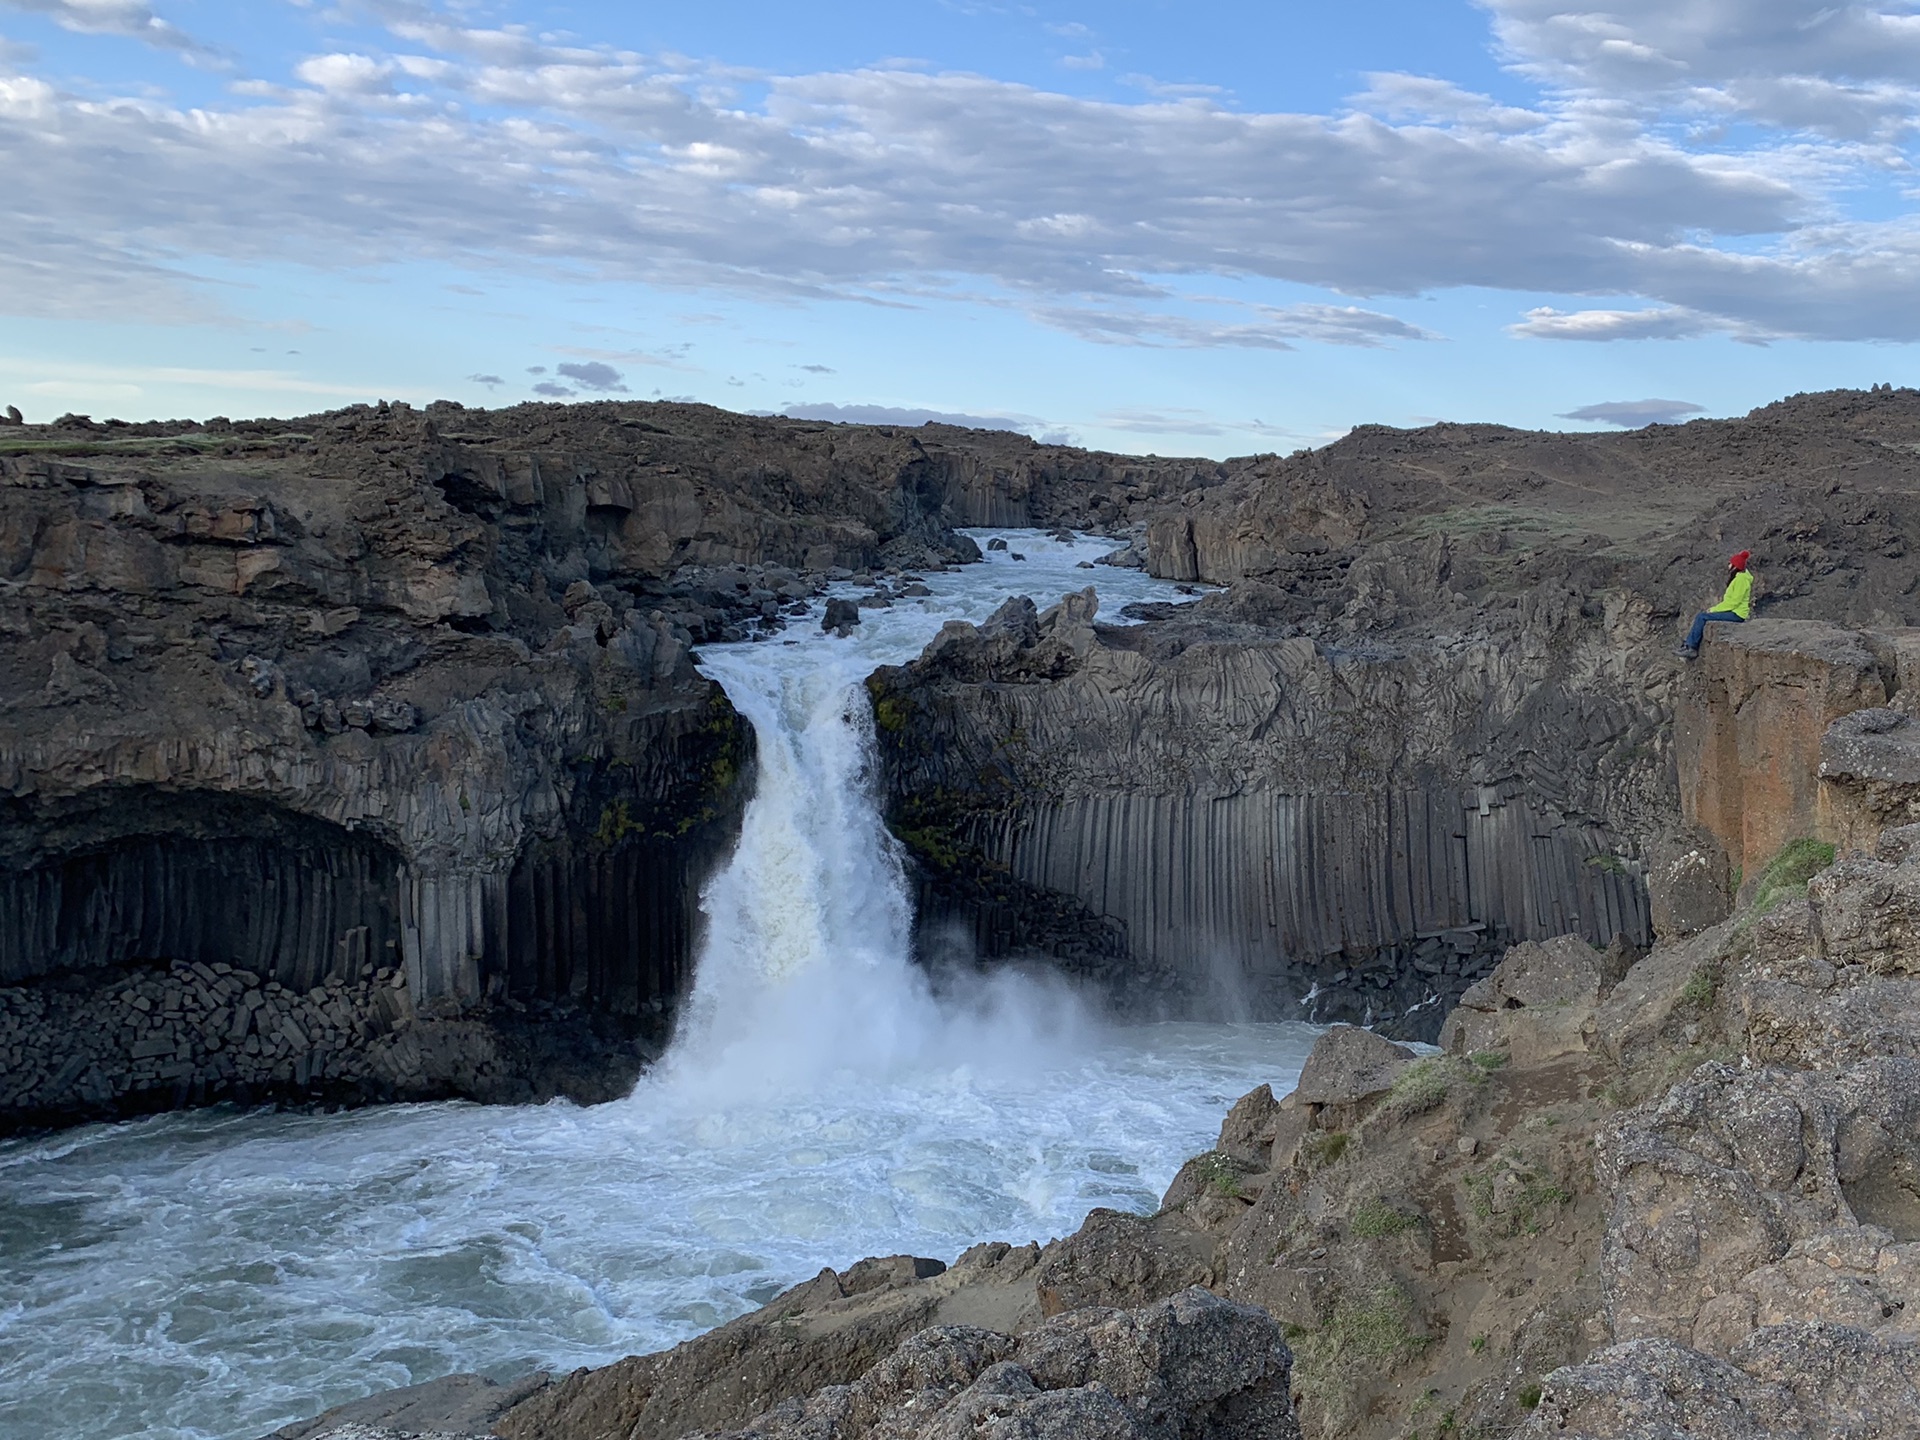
(491, 147)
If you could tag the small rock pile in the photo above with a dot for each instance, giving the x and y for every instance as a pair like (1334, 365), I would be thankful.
(194, 1032)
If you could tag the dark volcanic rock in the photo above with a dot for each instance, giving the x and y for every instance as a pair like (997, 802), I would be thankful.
(1432, 716)
(411, 691)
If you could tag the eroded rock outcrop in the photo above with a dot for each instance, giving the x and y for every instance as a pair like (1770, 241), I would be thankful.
(1433, 715)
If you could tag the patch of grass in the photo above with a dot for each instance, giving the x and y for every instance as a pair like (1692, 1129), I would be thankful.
(1787, 874)
(1477, 1344)
(1700, 989)
(1375, 1326)
(1529, 1208)
(1489, 1060)
(1219, 1174)
(1422, 1086)
(1608, 864)
(1324, 1151)
(1377, 1220)
(1529, 1396)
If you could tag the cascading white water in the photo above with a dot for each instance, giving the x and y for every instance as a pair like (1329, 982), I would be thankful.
(805, 970)
(212, 1275)
(803, 966)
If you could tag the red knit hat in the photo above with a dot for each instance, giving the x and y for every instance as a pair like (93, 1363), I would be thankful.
(1739, 562)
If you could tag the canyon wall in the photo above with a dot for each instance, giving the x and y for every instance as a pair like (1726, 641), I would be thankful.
(406, 700)
(1259, 818)
(1433, 712)
(402, 690)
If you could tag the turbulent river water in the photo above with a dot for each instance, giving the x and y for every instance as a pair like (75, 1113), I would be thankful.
(219, 1273)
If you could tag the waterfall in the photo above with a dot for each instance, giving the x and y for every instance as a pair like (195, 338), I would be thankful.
(820, 1103)
(805, 964)
(805, 969)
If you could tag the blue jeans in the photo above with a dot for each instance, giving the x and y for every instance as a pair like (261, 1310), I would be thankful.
(1700, 624)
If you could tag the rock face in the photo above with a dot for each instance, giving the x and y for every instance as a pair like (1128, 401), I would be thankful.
(1432, 717)
(407, 692)
(1189, 1365)
(1249, 811)
(1749, 737)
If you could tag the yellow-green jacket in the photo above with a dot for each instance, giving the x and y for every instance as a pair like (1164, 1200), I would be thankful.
(1739, 597)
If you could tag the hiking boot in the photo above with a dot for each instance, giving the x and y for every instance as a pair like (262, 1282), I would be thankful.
(1686, 652)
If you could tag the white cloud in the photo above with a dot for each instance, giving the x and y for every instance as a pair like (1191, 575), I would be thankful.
(1632, 414)
(1662, 323)
(130, 18)
(1277, 328)
(348, 74)
(1846, 69)
(96, 379)
(1175, 421)
(889, 184)
(908, 415)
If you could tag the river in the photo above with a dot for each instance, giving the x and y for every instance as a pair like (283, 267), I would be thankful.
(219, 1273)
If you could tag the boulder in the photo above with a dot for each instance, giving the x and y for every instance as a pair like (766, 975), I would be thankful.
(453, 1404)
(1348, 1065)
(1191, 1365)
(1689, 888)
(1116, 1259)
(1538, 1003)
(841, 616)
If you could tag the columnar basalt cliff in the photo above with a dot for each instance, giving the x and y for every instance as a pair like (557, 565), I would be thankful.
(293, 707)
(1431, 715)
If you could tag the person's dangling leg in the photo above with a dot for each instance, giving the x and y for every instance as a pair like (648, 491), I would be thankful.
(1699, 630)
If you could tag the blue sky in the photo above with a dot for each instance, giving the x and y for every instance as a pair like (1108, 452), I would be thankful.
(1180, 228)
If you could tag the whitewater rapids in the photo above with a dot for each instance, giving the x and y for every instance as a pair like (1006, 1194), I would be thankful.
(218, 1274)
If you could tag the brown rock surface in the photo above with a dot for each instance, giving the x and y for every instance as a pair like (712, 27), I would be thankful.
(1748, 735)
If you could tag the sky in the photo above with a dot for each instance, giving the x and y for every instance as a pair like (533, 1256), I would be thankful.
(1177, 228)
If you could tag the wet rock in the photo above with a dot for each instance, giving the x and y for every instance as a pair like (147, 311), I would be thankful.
(455, 1404)
(841, 617)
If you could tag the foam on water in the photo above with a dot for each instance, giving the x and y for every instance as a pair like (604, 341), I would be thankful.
(218, 1274)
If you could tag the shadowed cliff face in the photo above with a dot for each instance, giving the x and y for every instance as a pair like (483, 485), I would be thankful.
(410, 694)
(1431, 716)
